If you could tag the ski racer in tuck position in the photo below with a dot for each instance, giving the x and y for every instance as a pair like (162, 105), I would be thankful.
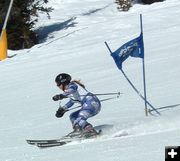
(77, 93)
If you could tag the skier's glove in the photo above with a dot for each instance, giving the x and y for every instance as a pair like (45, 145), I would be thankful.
(60, 112)
(58, 97)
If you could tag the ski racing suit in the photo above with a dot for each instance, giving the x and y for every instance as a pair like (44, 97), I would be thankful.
(90, 104)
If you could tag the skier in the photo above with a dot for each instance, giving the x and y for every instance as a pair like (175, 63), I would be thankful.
(77, 93)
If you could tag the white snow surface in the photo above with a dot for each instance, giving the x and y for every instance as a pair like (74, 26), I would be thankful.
(74, 43)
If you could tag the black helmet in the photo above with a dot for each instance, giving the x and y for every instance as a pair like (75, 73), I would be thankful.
(63, 79)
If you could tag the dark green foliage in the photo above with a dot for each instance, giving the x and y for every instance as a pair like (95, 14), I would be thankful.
(124, 5)
(21, 22)
(151, 1)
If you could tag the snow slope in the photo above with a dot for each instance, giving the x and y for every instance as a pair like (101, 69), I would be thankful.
(73, 42)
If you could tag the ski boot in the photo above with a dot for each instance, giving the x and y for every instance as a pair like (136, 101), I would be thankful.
(89, 132)
(76, 132)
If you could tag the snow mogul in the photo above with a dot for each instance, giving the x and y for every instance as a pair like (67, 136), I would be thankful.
(77, 93)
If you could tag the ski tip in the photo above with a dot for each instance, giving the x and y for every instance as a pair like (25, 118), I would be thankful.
(29, 142)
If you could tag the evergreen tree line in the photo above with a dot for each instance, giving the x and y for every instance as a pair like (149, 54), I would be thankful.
(125, 5)
(22, 20)
(24, 16)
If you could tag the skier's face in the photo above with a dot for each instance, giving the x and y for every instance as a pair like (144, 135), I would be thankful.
(62, 87)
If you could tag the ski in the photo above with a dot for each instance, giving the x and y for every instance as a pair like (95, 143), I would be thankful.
(33, 142)
(63, 139)
(61, 142)
(58, 142)
(52, 144)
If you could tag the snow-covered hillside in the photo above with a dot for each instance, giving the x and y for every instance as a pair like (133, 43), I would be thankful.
(73, 42)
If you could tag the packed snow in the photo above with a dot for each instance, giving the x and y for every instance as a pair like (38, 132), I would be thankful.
(73, 42)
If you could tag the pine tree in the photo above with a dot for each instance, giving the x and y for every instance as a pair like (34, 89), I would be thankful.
(124, 5)
(23, 17)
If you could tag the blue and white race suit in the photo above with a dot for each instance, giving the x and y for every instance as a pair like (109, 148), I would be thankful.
(90, 104)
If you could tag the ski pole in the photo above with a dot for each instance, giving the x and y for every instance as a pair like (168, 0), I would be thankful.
(102, 94)
(102, 100)
(116, 93)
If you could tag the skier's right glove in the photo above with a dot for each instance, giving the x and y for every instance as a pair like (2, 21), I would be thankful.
(58, 97)
(60, 112)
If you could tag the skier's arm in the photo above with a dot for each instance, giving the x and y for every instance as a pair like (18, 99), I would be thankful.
(70, 90)
(69, 104)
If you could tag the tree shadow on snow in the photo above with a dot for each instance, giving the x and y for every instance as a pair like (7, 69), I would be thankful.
(94, 10)
(43, 32)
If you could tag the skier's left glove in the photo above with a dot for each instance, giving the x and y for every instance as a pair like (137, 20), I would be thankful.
(60, 112)
(58, 97)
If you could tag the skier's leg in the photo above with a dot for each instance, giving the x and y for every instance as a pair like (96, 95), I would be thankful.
(82, 117)
(73, 117)
(90, 108)
(87, 128)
